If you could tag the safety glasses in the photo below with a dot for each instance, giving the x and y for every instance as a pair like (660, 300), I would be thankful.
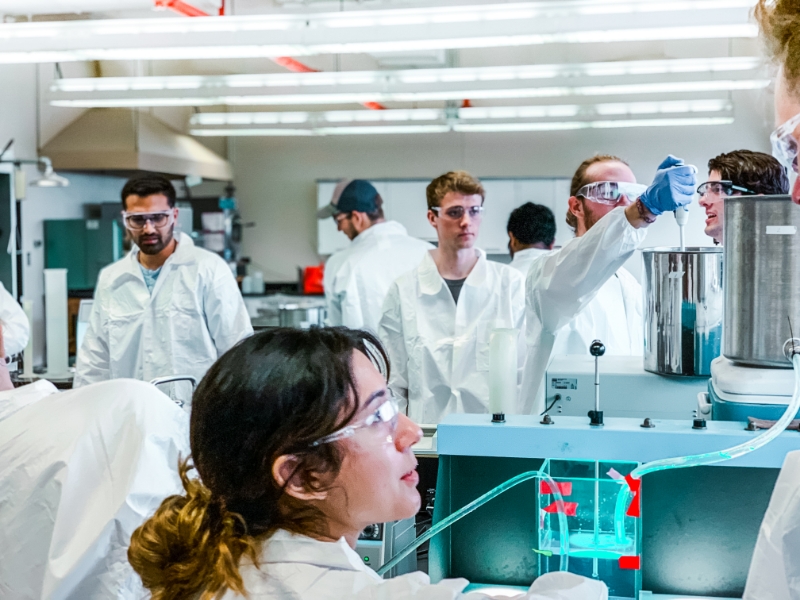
(611, 192)
(721, 188)
(383, 420)
(456, 213)
(137, 221)
(784, 143)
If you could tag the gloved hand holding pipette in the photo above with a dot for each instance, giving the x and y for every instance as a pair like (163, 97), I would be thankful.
(672, 187)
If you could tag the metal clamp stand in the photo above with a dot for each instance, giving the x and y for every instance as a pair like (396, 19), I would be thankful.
(597, 349)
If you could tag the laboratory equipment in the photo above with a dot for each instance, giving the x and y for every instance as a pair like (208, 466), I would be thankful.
(55, 315)
(82, 324)
(303, 317)
(596, 349)
(589, 490)
(762, 289)
(627, 391)
(737, 392)
(379, 542)
(502, 370)
(682, 310)
(698, 526)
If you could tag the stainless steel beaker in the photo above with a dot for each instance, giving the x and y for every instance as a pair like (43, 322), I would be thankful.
(762, 278)
(682, 310)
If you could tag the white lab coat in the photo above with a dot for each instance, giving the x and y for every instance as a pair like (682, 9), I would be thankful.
(16, 329)
(775, 567)
(296, 567)
(523, 259)
(581, 293)
(362, 273)
(79, 472)
(194, 315)
(439, 351)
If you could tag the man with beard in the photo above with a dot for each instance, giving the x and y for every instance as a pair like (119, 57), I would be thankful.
(167, 308)
(582, 292)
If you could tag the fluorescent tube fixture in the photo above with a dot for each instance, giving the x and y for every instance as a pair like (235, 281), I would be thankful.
(431, 28)
(465, 127)
(248, 119)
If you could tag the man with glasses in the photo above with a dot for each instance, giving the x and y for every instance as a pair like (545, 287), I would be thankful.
(582, 292)
(358, 277)
(438, 319)
(167, 308)
(737, 173)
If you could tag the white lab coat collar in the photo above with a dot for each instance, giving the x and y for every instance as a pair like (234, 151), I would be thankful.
(384, 228)
(286, 547)
(184, 254)
(430, 281)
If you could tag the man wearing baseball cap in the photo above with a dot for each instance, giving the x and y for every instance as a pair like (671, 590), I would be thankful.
(358, 277)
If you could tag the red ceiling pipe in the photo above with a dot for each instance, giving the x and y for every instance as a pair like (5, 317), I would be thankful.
(182, 8)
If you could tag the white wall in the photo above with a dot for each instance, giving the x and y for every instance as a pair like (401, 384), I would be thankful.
(276, 177)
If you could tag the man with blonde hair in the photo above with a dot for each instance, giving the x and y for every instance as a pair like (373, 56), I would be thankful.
(438, 319)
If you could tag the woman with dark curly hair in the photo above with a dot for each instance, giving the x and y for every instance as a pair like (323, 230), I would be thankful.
(299, 445)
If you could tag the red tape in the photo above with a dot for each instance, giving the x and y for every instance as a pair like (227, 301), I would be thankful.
(635, 509)
(569, 508)
(630, 563)
(564, 487)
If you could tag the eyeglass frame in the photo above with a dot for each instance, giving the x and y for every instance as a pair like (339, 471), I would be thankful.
(169, 212)
(467, 211)
(780, 148)
(349, 431)
(727, 183)
(639, 190)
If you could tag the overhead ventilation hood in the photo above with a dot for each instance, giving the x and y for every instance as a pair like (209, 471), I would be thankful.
(126, 141)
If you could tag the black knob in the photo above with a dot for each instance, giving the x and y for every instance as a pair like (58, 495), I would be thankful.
(699, 424)
(597, 348)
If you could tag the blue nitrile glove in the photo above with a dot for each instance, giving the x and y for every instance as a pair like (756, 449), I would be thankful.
(672, 187)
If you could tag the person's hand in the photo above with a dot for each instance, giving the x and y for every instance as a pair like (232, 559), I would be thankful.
(672, 187)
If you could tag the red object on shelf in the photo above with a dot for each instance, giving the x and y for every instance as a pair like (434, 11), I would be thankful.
(293, 65)
(635, 509)
(312, 280)
(569, 508)
(564, 487)
(631, 563)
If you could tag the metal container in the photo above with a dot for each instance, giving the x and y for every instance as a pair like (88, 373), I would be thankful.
(762, 279)
(301, 317)
(682, 310)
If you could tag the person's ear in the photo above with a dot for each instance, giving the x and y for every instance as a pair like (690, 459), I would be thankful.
(287, 475)
(432, 219)
(576, 207)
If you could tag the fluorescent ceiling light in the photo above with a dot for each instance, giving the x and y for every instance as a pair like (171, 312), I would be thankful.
(466, 128)
(215, 83)
(458, 93)
(470, 26)
(236, 119)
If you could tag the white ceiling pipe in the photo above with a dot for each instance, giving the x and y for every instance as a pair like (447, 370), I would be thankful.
(492, 25)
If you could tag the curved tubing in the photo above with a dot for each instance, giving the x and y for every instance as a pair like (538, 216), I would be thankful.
(709, 458)
(480, 501)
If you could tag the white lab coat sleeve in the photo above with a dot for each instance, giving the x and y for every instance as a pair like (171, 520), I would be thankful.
(225, 310)
(562, 283)
(16, 329)
(93, 361)
(518, 311)
(390, 332)
(775, 566)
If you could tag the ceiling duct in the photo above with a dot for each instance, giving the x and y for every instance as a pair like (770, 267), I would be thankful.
(126, 141)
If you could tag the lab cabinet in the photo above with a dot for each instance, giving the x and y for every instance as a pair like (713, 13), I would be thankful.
(83, 247)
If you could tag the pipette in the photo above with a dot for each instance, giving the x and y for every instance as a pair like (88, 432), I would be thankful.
(681, 218)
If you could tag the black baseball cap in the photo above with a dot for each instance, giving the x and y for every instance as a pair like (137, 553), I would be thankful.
(349, 195)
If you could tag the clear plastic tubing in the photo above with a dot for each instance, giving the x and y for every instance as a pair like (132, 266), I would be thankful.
(480, 501)
(709, 458)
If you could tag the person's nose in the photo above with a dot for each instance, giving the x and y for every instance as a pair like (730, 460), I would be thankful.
(149, 228)
(704, 202)
(408, 433)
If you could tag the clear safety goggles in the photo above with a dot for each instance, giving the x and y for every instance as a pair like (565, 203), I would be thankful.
(721, 188)
(784, 143)
(138, 221)
(611, 192)
(383, 420)
(456, 213)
